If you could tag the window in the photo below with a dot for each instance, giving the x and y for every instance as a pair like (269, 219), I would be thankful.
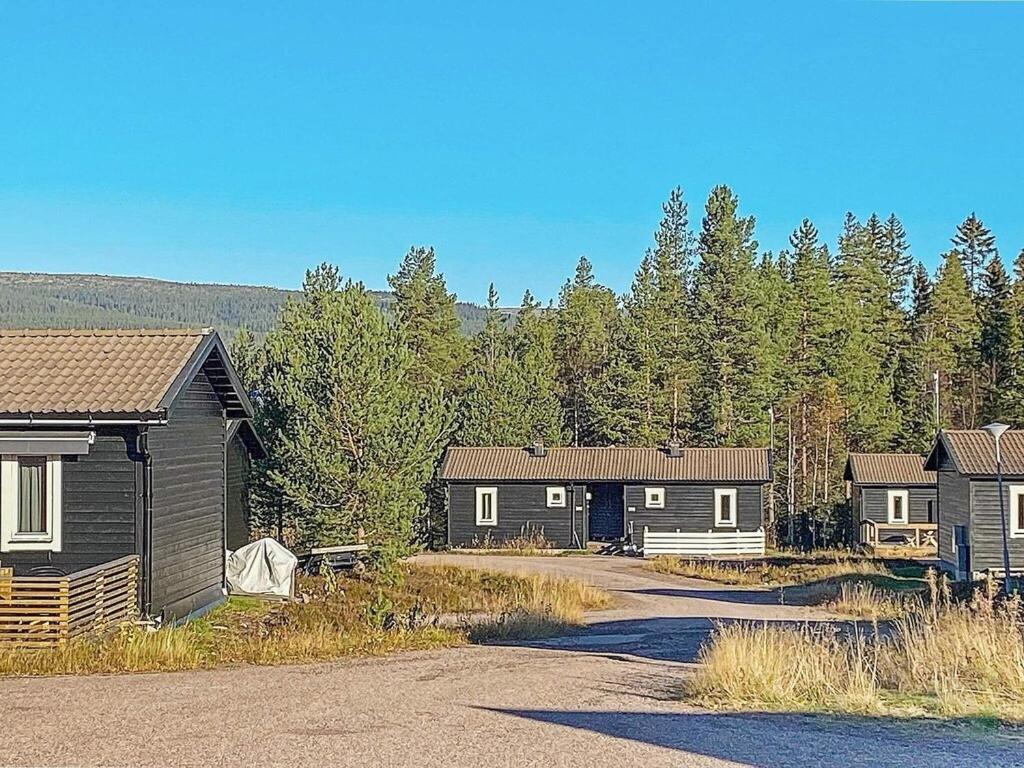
(654, 498)
(30, 503)
(1017, 511)
(898, 504)
(556, 496)
(486, 506)
(725, 507)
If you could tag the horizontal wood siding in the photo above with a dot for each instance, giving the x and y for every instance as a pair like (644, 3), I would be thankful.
(690, 507)
(98, 507)
(521, 506)
(875, 502)
(986, 527)
(954, 497)
(238, 507)
(188, 501)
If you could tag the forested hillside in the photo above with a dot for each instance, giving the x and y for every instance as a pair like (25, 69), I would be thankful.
(826, 349)
(29, 300)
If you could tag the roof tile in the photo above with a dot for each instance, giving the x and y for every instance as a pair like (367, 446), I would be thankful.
(974, 451)
(90, 372)
(888, 469)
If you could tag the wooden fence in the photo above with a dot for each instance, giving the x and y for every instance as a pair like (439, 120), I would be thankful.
(44, 611)
(877, 535)
(710, 544)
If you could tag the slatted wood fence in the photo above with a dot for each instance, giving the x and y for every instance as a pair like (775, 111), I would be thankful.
(45, 611)
(710, 544)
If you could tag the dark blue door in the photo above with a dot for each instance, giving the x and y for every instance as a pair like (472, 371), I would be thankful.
(606, 516)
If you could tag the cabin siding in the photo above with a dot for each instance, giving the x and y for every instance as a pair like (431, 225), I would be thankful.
(986, 526)
(98, 507)
(522, 507)
(954, 501)
(238, 467)
(875, 502)
(690, 507)
(188, 502)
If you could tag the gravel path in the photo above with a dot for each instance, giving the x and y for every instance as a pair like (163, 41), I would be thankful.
(605, 699)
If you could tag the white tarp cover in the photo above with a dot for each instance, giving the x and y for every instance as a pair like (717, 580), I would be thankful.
(261, 568)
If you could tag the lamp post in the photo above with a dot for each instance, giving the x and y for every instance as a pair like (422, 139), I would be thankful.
(996, 430)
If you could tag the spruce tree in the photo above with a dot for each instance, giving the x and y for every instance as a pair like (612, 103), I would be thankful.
(533, 348)
(914, 386)
(974, 245)
(732, 386)
(999, 344)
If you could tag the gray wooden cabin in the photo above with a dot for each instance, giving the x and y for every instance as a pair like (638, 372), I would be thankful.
(970, 529)
(575, 495)
(113, 444)
(244, 446)
(893, 499)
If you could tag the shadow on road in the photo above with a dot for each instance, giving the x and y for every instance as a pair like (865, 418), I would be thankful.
(741, 596)
(764, 740)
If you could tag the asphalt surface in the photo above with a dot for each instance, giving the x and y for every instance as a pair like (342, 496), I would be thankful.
(608, 697)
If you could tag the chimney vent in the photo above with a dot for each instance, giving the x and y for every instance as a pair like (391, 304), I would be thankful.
(537, 449)
(674, 449)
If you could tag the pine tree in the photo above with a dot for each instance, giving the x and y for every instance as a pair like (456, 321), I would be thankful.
(974, 245)
(642, 397)
(425, 314)
(533, 347)
(587, 323)
(732, 388)
(951, 330)
(354, 442)
(247, 359)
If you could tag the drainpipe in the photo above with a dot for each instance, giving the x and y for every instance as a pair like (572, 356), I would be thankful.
(147, 522)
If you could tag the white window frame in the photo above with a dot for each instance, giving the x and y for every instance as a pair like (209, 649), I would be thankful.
(649, 502)
(1016, 531)
(556, 496)
(481, 492)
(890, 496)
(10, 539)
(729, 493)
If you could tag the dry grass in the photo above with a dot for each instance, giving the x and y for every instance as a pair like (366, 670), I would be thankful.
(338, 618)
(865, 600)
(943, 658)
(775, 571)
(531, 540)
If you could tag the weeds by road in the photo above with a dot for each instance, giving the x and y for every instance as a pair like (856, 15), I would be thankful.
(336, 617)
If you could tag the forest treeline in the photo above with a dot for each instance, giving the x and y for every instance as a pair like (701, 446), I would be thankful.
(35, 300)
(817, 350)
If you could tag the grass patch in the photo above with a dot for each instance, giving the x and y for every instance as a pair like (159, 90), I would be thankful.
(773, 571)
(428, 607)
(942, 659)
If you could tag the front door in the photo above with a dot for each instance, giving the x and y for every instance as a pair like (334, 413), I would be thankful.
(606, 512)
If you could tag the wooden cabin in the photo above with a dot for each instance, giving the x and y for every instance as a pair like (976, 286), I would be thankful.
(893, 499)
(115, 444)
(970, 529)
(699, 501)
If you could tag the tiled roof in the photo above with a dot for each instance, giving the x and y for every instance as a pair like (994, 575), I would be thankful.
(974, 453)
(121, 372)
(608, 464)
(888, 469)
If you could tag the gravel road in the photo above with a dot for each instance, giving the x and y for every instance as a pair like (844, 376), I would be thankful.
(608, 697)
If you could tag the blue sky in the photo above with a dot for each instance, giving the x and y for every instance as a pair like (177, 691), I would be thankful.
(246, 142)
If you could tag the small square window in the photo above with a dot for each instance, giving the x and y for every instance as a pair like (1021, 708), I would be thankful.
(654, 498)
(486, 506)
(725, 507)
(556, 496)
(30, 503)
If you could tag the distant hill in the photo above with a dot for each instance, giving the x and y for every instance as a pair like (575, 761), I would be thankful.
(34, 300)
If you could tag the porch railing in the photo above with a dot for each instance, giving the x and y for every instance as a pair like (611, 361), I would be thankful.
(710, 544)
(45, 611)
(917, 535)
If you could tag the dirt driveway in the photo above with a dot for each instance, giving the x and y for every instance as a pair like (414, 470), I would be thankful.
(609, 698)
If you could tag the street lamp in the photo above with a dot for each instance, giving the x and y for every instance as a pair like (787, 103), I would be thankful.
(996, 430)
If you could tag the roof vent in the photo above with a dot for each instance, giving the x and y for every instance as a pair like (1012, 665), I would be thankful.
(674, 449)
(537, 448)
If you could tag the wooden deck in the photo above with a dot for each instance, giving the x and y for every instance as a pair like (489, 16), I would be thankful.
(45, 611)
(899, 538)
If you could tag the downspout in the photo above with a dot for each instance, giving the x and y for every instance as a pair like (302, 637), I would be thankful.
(147, 521)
